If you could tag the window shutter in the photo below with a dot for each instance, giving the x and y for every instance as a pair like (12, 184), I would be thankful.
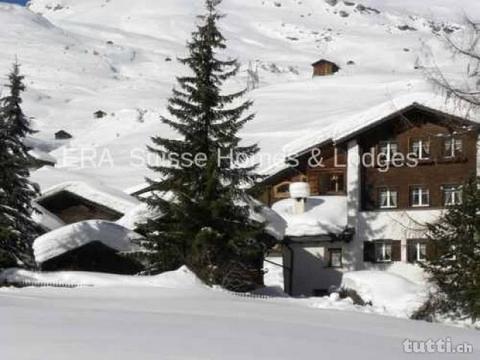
(431, 250)
(368, 251)
(411, 251)
(396, 250)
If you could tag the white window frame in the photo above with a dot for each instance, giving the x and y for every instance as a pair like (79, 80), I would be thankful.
(384, 245)
(389, 153)
(418, 247)
(421, 147)
(330, 253)
(421, 192)
(456, 193)
(389, 196)
(452, 150)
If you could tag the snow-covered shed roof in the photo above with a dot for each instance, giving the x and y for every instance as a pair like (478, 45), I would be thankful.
(275, 225)
(323, 215)
(42, 156)
(321, 61)
(95, 193)
(74, 236)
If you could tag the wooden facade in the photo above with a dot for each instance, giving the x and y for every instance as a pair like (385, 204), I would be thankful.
(435, 171)
(72, 208)
(324, 68)
(94, 256)
(323, 167)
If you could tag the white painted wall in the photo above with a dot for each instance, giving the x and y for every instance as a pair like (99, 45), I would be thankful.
(395, 225)
(310, 268)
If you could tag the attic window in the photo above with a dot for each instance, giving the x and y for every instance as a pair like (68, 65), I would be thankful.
(388, 149)
(420, 148)
(282, 190)
(452, 147)
(332, 183)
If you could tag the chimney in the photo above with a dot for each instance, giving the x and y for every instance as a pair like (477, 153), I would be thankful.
(299, 191)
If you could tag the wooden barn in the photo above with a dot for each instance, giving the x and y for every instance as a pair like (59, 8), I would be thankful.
(324, 67)
(96, 257)
(93, 245)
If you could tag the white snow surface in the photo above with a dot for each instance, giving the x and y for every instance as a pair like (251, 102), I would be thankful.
(173, 316)
(89, 55)
(182, 278)
(397, 295)
(70, 237)
(323, 215)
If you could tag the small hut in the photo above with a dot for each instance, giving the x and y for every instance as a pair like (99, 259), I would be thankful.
(324, 67)
(62, 135)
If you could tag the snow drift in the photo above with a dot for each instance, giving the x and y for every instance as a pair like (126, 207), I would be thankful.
(394, 293)
(182, 278)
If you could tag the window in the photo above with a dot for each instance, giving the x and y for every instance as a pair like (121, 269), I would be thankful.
(383, 251)
(332, 183)
(452, 147)
(419, 196)
(452, 195)
(335, 258)
(416, 250)
(388, 198)
(388, 149)
(421, 148)
(282, 190)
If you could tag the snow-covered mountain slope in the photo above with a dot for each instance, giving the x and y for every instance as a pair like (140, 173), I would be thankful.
(120, 57)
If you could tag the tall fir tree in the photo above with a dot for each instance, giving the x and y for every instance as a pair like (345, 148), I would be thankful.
(205, 222)
(455, 267)
(17, 229)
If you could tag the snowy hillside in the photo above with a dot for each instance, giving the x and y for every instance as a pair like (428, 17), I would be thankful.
(83, 56)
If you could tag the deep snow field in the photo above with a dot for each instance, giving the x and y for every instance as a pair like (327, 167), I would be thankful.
(173, 316)
(119, 56)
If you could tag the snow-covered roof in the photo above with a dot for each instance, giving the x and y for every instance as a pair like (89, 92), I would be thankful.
(42, 156)
(275, 225)
(323, 215)
(96, 193)
(342, 128)
(71, 237)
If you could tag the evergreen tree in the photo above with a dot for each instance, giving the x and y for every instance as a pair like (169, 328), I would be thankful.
(17, 229)
(455, 268)
(205, 222)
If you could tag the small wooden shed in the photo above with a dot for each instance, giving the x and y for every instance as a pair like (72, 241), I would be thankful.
(324, 67)
(62, 135)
